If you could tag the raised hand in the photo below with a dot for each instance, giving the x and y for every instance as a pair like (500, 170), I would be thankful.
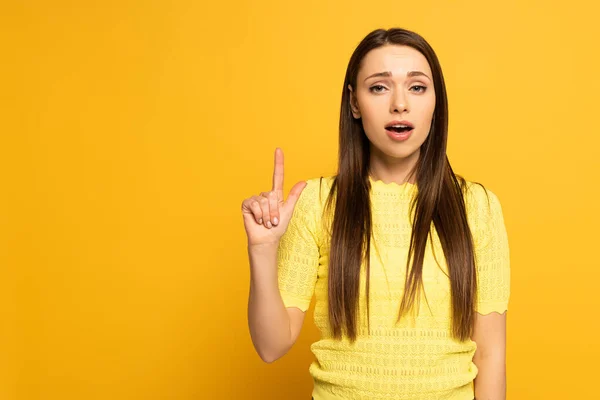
(267, 215)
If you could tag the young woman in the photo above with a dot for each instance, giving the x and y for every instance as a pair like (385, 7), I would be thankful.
(408, 262)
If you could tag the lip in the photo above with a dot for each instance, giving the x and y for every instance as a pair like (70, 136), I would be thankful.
(399, 137)
(399, 123)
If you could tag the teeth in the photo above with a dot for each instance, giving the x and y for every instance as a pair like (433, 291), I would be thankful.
(399, 126)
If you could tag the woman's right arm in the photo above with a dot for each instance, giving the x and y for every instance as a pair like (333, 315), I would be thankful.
(273, 328)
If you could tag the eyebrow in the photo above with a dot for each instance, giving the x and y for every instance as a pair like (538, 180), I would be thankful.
(388, 74)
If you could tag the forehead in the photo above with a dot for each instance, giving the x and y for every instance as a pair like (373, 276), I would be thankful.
(397, 59)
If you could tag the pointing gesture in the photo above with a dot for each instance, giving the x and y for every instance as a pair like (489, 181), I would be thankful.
(267, 215)
(278, 174)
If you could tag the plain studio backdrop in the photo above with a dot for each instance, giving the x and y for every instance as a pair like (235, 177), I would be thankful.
(133, 130)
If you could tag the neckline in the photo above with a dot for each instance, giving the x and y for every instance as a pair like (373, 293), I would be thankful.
(391, 185)
(405, 190)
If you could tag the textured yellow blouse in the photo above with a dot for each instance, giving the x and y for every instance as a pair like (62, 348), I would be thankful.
(416, 358)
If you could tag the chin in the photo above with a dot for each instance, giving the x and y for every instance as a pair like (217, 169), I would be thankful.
(385, 147)
(399, 152)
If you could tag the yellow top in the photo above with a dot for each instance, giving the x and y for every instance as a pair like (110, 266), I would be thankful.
(416, 358)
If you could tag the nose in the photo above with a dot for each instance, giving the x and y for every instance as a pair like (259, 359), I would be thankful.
(399, 102)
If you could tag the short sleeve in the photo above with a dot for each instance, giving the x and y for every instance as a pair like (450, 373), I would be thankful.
(492, 256)
(298, 252)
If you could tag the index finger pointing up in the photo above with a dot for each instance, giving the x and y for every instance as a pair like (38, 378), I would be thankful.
(278, 172)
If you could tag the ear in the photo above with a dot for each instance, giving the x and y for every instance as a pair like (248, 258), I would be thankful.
(354, 103)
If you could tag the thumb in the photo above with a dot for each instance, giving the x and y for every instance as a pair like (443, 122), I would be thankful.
(295, 194)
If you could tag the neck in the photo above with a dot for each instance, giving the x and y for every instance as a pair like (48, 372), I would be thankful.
(389, 169)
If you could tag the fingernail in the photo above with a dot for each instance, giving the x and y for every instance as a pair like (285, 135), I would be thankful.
(275, 221)
(269, 224)
(260, 221)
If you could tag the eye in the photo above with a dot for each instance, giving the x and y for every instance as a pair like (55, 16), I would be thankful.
(418, 88)
(376, 88)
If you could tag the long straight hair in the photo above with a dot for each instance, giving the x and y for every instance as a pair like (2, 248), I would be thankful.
(439, 199)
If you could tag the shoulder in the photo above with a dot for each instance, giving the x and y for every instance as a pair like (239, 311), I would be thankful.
(317, 190)
(479, 199)
(308, 211)
(484, 211)
(314, 195)
(323, 182)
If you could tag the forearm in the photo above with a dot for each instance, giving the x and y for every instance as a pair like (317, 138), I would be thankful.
(490, 383)
(268, 318)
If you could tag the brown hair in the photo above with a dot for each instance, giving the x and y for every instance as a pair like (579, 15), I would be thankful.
(439, 199)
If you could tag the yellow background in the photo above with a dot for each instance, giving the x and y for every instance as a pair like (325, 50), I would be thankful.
(133, 130)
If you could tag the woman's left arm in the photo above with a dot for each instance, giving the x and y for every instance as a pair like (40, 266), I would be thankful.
(493, 292)
(490, 356)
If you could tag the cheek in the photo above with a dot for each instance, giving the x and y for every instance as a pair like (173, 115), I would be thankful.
(369, 105)
(431, 105)
(427, 112)
(373, 113)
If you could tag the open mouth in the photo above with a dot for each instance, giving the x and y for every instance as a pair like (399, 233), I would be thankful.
(399, 128)
(399, 131)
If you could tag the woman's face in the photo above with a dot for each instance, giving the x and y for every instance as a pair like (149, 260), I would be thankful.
(395, 98)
